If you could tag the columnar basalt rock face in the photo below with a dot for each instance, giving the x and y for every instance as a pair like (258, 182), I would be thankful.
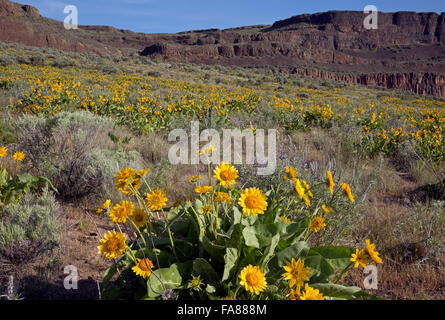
(406, 51)
(420, 83)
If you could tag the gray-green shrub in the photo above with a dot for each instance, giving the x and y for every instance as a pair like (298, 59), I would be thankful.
(29, 228)
(74, 151)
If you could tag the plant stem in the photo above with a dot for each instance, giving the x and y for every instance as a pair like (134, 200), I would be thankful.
(170, 236)
(343, 273)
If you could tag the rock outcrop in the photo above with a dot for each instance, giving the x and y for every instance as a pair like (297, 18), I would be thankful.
(420, 83)
(406, 51)
(8, 8)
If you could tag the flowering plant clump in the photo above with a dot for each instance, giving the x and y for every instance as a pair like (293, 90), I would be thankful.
(12, 188)
(230, 242)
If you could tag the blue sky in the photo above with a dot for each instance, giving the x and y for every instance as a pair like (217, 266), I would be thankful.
(155, 16)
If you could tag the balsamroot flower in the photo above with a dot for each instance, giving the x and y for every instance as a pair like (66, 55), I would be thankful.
(194, 178)
(317, 224)
(330, 182)
(360, 258)
(296, 272)
(308, 189)
(301, 192)
(326, 209)
(311, 294)
(253, 201)
(226, 174)
(156, 200)
(223, 197)
(19, 156)
(121, 211)
(3, 152)
(291, 174)
(143, 267)
(112, 244)
(295, 294)
(370, 249)
(203, 189)
(104, 206)
(139, 217)
(347, 190)
(253, 279)
(128, 179)
(299, 189)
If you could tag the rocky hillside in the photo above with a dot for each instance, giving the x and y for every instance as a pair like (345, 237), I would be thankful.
(407, 50)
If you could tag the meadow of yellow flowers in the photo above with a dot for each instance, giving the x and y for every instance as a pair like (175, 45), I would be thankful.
(149, 104)
(230, 239)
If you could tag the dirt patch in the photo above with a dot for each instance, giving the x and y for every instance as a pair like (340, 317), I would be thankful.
(81, 233)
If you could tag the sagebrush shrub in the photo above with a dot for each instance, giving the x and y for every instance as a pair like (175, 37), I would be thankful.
(74, 151)
(29, 228)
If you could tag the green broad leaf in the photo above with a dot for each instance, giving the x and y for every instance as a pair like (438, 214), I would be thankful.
(180, 227)
(113, 292)
(28, 181)
(292, 230)
(260, 235)
(109, 273)
(324, 261)
(321, 270)
(237, 215)
(26, 178)
(249, 221)
(234, 233)
(210, 289)
(185, 269)
(232, 251)
(186, 249)
(230, 259)
(173, 214)
(9, 196)
(338, 257)
(249, 255)
(157, 241)
(170, 277)
(203, 267)
(269, 252)
(214, 250)
(250, 237)
(198, 204)
(271, 215)
(339, 291)
(165, 258)
(198, 219)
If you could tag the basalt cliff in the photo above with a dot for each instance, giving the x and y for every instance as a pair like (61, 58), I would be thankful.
(406, 51)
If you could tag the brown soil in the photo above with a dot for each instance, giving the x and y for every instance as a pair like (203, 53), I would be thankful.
(83, 229)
